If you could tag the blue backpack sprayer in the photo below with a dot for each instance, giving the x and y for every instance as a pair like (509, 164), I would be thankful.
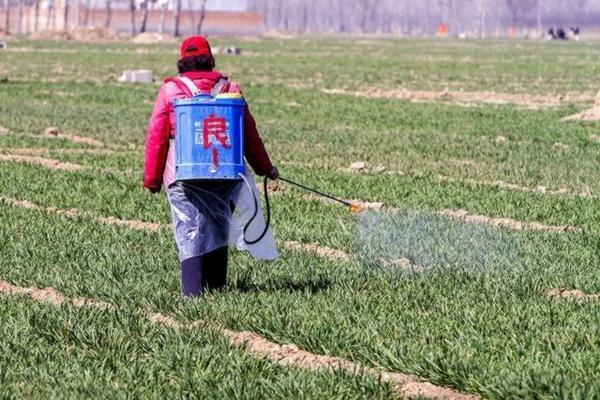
(210, 144)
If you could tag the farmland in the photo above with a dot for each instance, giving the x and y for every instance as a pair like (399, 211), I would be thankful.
(501, 154)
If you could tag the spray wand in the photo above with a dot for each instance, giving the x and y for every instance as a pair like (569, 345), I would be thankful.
(354, 208)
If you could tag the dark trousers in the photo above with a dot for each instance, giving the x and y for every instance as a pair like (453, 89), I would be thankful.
(206, 272)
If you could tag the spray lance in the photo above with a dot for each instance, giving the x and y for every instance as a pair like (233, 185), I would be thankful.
(352, 207)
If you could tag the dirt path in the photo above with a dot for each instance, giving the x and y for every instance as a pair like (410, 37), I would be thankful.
(465, 216)
(592, 114)
(44, 162)
(575, 294)
(326, 252)
(585, 192)
(405, 386)
(467, 98)
(332, 254)
(37, 151)
(462, 216)
(518, 188)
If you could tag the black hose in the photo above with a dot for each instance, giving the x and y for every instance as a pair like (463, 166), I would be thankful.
(267, 206)
(344, 202)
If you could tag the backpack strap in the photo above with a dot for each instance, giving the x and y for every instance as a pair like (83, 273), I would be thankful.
(218, 86)
(190, 85)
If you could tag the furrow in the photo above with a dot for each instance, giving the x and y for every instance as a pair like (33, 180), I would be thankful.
(44, 162)
(405, 386)
(518, 188)
(509, 223)
(575, 294)
(37, 151)
(540, 189)
(332, 254)
(467, 98)
(462, 215)
(327, 252)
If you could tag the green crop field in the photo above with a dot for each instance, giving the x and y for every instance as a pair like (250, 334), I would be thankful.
(492, 330)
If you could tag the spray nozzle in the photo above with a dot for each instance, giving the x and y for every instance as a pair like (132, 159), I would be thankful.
(355, 208)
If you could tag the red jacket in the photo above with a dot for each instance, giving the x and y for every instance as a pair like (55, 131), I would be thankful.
(159, 166)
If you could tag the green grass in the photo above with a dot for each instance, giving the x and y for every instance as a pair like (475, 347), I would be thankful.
(492, 332)
(66, 352)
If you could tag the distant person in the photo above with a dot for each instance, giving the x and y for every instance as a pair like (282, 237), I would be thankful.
(574, 33)
(201, 210)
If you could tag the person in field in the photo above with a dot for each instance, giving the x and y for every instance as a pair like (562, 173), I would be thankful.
(201, 210)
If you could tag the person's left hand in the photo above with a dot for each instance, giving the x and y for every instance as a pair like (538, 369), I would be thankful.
(274, 174)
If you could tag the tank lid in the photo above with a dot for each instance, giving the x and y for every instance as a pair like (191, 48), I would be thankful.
(229, 96)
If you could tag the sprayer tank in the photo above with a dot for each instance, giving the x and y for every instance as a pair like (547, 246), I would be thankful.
(209, 139)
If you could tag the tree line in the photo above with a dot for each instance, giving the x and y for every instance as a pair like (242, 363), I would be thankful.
(472, 17)
(138, 10)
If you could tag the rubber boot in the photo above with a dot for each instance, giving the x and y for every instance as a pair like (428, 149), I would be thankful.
(204, 272)
(192, 279)
(214, 268)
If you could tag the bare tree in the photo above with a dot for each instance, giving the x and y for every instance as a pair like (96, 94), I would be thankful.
(132, 15)
(474, 17)
(53, 15)
(66, 15)
(163, 13)
(36, 15)
(49, 13)
(108, 19)
(481, 6)
(144, 6)
(20, 17)
(177, 17)
(192, 15)
(539, 17)
(202, 16)
(86, 15)
(7, 6)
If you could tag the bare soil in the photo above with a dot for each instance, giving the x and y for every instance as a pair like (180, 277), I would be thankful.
(332, 254)
(515, 187)
(500, 139)
(468, 98)
(576, 294)
(464, 216)
(402, 263)
(327, 252)
(48, 295)
(152, 38)
(54, 132)
(44, 162)
(561, 147)
(44, 150)
(407, 386)
(3, 130)
(133, 224)
(592, 114)
(80, 34)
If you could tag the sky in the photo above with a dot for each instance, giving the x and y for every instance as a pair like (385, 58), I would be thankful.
(227, 5)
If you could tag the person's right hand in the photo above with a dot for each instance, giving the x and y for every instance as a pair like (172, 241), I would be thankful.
(274, 174)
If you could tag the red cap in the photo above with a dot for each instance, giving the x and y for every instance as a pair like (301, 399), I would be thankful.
(195, 46)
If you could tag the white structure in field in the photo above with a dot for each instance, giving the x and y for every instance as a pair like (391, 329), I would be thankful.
(137, 76)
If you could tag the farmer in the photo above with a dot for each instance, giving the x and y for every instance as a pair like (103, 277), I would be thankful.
(201, 210)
